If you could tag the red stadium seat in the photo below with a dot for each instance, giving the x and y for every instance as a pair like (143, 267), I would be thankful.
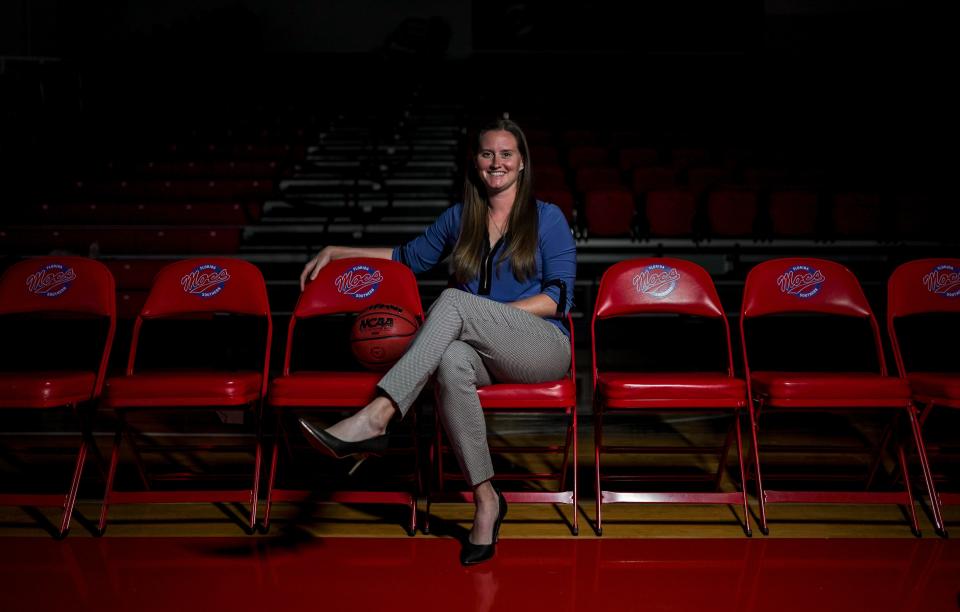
(793, 213)
(549, 177)
(65, 288)
(579, 137)
(592, 179)
(585, 156)
(705, 178)
(684, 157)
(544, 154)
(609, 212)
(562, 198)
(731, 212)
(926, 287)
(824, 288)
(557, 398)
(194, 289)
(126, 240)
(650, 178)
(635, 157)
(244, 169)
(857, 215)
(656, 286)
(297, 391)
(671, 212)
(918, 217)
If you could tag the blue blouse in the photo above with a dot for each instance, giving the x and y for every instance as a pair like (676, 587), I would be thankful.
(556, 260)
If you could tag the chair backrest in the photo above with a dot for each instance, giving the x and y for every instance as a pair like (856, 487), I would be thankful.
(922, 286)
(206, 285)
(657, 285)
(351, 285)
(805, 285)
(63, 285)
(58, 284)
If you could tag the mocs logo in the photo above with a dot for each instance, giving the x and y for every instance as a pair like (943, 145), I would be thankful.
(52, 280)
(205, 280)
(801, 281)
(360, 281)
(656, 280)
(943, 280)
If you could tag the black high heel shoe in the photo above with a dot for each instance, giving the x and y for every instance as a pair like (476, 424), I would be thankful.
(472, 554)
(340, 449)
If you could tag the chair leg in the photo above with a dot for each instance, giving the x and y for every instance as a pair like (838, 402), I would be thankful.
(439, 428)
(137, 457)
(271, 480)
(428, 483)
(755, 450)
(257, 464)
(725, 454)
(576, 475)
(935, 506)
(875, 463)
(566, 454)
(416, 473)
(71, 499)
(902, 461)
(743, 477)
(597, 438)
(111, 472)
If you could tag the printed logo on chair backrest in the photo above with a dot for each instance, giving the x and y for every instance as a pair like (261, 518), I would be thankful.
(801, 281)
(205, 281)
(52, 280)
(656, 280)
(943, 280)
(360, 281)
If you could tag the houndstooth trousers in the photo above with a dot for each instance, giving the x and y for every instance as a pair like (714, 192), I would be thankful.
(471, 341)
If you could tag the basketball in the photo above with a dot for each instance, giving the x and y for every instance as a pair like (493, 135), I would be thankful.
(381, 335)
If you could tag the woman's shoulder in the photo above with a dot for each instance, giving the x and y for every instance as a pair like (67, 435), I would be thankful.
(452, 214)
(549, 213)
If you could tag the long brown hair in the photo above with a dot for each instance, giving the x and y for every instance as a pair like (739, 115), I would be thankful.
(522, 235)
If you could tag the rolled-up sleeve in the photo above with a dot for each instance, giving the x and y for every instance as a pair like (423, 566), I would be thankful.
(559, 252)
(429, 248)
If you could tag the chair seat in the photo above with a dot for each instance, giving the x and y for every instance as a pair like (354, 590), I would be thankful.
(837, 389)
(183, 388)
(553, 394)
(45, 389)
(324, 389)
(671, 390)
(943, 386)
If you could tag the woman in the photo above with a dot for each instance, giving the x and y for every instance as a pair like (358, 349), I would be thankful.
(514, 262)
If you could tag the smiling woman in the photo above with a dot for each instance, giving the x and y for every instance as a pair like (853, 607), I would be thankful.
(514, 261)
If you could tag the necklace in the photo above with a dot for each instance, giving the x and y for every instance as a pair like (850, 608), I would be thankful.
(501, 228)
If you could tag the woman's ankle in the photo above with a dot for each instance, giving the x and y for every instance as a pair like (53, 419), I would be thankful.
(379, 412)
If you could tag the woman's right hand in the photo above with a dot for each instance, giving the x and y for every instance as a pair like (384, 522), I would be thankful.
(316, 264)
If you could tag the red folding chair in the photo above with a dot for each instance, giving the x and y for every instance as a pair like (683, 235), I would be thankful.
(556, 397)
(344, 286)
(184, 290)
(655, 286)
(68, 288)
(816, 286)
(926, 286)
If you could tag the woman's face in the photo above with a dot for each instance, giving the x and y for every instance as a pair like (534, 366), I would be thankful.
(498, 161)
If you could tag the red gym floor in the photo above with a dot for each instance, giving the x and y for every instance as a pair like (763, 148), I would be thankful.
(420, 573)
